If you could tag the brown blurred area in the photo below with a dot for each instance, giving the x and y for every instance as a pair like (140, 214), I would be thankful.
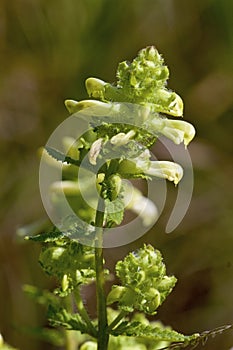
(47, 50)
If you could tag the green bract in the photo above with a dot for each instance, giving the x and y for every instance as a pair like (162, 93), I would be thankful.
(144, 282)
(71, 263)
(143, 81)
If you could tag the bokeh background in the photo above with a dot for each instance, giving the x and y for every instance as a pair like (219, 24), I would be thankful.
(47, 50)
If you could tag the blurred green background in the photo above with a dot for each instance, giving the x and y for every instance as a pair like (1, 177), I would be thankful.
(47, 50)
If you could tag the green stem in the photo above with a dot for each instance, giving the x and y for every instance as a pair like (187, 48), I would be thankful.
(83, 312)
(103, 336)
(117, 320)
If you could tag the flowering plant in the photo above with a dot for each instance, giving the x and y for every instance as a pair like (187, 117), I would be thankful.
(124, 121)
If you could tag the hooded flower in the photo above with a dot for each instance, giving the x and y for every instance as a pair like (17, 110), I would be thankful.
(95, 151)
(122, 138)
(165, 170)
(142, 164)
(176, 130)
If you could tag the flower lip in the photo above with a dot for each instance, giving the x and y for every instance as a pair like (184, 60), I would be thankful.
(95, 151)
(176, 130)
(166, 170)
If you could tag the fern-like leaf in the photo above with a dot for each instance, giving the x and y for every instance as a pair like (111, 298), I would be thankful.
(201, 338)
(62, 318)
(137, 329)
(61, 157)
(47, 237)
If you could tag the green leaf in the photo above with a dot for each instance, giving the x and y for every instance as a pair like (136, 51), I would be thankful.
(137, 329)
(114, 211)
(60, 317)
(70, 262)
(51, 236)
(201, 338)
(61, 157)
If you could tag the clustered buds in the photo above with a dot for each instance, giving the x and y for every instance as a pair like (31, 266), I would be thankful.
(142, 83)
(144, 282)
(68, 263)
(126, 119)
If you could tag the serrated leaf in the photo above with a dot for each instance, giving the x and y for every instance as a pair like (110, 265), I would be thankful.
(197, 339)
(60, 317)
(115, 211)
(137, 329)
(47, 237)
(61, 157)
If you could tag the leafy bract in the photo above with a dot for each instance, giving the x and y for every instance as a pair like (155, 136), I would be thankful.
(61, 317)
(61, 157)
(114, 211)
(70, 262)
(144, 284)
(137, 329)
(47, 237)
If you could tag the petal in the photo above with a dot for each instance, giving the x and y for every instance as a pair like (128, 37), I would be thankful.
(176, 130)
(95, 151)
(122, 138)
(166, 170)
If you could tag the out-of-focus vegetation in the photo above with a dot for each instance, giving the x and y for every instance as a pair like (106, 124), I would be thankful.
(47, 49)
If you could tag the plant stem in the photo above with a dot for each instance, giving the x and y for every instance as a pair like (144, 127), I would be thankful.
(83, 312)
(103, 336)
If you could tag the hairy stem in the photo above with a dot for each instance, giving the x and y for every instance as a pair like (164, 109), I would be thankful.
(103, 336)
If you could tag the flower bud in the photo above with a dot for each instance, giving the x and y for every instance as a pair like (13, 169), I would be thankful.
(122, 138)
(176, 130)
(95, 88)
(95, 151)
(98, 108)
(153, 296)
(166, 170)
(169, 103)
(167, 283)
(65, 283)
(114, 184)
(115, 294)
(162, 169)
